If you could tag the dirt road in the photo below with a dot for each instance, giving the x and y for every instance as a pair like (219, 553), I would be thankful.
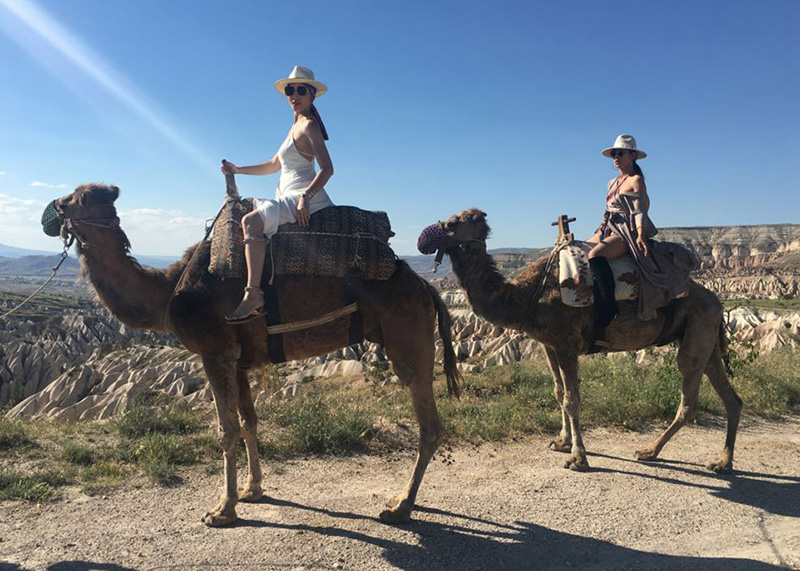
(508, 506)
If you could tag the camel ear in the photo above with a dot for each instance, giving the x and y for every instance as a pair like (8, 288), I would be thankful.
(476, 215)
(82, 199)
(112, 193)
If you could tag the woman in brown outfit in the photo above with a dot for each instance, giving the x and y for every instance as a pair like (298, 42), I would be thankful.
(627, 229)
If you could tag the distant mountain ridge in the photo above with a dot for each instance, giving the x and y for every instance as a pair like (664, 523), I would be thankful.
(14, 252)
(24, 262)
(753, 261)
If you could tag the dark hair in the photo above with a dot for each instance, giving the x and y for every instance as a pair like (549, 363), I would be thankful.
(315, 112)
(637, 169)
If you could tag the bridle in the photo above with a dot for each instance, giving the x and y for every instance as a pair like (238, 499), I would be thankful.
(68, 225)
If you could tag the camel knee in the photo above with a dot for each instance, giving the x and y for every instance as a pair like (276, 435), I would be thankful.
(405, 372)
(228, 439)
(558, 392)
(685, 413)
(572, 403)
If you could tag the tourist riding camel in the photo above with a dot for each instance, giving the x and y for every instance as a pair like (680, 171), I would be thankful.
(626, 228)
(301, 189)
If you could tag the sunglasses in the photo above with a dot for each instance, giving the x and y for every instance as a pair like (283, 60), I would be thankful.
(617, 153)
(289, 90)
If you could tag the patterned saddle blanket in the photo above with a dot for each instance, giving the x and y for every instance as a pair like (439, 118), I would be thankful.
(575, 276)
(338, 240)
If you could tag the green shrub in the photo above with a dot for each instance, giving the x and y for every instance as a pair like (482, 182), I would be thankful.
(14, 434)
(501, 402)
(101, 477)
(158, 455)
(140, 419)
(37, 487)
(78, 454)
(319, 426)
(770, 385)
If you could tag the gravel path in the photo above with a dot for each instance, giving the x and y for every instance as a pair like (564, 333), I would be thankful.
(507, 506)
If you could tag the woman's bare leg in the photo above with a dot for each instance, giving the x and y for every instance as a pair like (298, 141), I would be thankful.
(610, 248)
(255, 248)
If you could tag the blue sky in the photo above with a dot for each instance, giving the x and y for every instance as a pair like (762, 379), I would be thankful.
(433, 107)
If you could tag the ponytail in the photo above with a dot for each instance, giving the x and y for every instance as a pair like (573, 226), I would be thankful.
(321, 124)
(314, 111)
(637, 169)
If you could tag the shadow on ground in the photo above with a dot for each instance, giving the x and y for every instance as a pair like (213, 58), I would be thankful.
(774, 494)
(475, 543)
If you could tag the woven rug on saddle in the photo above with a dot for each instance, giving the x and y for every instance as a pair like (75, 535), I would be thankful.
(338, 240)
(575, 276)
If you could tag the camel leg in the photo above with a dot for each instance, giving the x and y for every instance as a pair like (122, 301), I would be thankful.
(733, 407)
(694, 352)
(221, 373)
(568, 367)
(420, 383)
(563, 443)
(251, 491)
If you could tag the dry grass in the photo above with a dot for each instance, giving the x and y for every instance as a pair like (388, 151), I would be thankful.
(160, 440)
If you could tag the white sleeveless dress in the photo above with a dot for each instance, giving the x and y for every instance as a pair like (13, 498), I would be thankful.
(297, 172)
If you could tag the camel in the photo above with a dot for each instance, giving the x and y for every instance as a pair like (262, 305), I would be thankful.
(401, 313)
(531, 303)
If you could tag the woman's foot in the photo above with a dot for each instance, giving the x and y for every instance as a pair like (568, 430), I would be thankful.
(251, 307)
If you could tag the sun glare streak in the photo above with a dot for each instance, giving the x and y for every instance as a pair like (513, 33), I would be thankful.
(43, 27)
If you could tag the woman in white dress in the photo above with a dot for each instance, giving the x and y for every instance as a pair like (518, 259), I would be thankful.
(301, 189)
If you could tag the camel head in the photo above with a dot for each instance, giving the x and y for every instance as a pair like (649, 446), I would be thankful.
(88, 205)
(460, 230)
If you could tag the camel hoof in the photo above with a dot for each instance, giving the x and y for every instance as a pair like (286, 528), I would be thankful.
(645, 455)
(250, 495)
(720, 468)
(577, 464)
(219, 519)
(559, 445)
(396, 515)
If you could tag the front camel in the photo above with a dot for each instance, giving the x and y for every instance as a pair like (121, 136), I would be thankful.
(402, 313)
(531, 303)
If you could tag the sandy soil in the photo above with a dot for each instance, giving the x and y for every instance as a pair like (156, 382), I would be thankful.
(508, 506)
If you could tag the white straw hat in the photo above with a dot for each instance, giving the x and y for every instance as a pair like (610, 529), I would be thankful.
(626, 142)
(304, 75)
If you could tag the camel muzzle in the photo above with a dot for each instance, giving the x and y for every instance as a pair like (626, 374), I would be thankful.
(432, 238)
(52, 220)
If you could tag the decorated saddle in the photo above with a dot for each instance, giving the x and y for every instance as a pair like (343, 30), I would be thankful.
(575, 276)
(338, 240)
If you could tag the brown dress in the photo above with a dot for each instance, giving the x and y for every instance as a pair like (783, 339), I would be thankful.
(664, 273)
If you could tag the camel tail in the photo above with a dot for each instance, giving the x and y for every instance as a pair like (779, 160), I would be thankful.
(445, 324)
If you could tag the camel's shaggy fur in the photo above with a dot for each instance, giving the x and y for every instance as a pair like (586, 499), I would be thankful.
(566, 332)
(402, 313)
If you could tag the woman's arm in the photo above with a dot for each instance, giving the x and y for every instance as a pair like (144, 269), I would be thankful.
(639, 204)
(313, 135)
(271, 166)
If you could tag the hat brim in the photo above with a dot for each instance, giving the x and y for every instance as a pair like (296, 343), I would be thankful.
(282, 83)
(639, 154)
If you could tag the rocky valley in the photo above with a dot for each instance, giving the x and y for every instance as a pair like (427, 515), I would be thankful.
(67, 357)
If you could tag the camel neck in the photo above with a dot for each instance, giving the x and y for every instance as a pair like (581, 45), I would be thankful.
(491, 296)
(136, 296)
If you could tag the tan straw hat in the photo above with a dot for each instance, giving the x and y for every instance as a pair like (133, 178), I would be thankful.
(304, 75)
(626, 142)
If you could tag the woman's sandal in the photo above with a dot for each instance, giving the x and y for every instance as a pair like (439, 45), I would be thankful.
(255, 314)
